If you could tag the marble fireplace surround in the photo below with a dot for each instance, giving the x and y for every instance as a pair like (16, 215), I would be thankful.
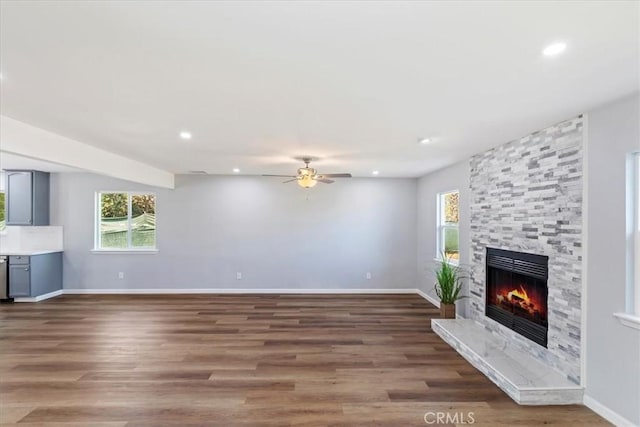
(526, 196)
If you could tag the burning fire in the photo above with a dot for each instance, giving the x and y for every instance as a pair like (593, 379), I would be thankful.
(519, 294)
(518, 298)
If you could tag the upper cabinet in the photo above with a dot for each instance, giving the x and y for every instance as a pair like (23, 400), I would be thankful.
(27, 198)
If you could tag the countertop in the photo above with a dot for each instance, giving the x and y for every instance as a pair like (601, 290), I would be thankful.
(10, 252)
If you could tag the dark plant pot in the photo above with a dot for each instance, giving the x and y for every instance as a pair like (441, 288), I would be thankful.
(447, 311)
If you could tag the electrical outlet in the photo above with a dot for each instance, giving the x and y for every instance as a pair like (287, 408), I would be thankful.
(238, 276)
(368, 275)
(121, 275)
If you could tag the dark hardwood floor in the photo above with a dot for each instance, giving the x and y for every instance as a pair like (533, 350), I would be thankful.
(244, 360)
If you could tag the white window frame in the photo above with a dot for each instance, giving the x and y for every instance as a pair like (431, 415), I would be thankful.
(631, 316)
(98, 215)
(440, 226)
(635, 286)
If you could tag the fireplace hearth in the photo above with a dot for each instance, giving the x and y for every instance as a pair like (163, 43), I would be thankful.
(516, 294)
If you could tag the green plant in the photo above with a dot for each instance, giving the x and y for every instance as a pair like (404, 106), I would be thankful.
(449, 281)
(114, 205)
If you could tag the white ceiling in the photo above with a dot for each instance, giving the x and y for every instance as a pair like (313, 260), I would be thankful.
(353, 83)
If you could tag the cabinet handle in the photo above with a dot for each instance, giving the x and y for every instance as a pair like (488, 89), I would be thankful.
(26, 269)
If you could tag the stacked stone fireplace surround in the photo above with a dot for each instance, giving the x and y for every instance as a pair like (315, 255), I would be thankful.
(526, 196)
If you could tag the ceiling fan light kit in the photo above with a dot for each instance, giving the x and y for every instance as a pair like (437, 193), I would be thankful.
(307, 181)
(308, 177)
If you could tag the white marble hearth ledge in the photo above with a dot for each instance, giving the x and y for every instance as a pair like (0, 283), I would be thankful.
(524, 378)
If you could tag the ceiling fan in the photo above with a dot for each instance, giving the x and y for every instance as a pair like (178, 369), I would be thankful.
(308, 177)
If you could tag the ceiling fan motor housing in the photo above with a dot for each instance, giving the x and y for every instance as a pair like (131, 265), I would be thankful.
(307, 171)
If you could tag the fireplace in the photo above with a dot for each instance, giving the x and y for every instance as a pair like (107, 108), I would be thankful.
(516, 294)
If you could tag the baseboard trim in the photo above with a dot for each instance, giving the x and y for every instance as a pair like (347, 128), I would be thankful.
(239, 291)
(428, 297)
(234, 291)
(606, 413)
(40, 297)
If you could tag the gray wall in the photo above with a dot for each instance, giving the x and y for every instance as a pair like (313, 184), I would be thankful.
(454, 177)
(278, 236)
(613, 350)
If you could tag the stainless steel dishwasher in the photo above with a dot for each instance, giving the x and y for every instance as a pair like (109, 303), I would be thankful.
(4, 280)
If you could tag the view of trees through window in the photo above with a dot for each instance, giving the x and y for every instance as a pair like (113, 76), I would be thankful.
(127, 220)
(448, 240)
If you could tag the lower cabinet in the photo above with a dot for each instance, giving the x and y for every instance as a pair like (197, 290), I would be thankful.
(19, 281)
(35, 275)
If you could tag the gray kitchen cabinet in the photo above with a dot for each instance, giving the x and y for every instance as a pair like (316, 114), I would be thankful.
(19, 280)
(27, 198)
(35, 275)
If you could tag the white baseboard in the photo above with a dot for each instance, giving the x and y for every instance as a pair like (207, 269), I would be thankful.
(428, 297)
(238, 291)
(606, 413)
(235, 291)
(40, 297)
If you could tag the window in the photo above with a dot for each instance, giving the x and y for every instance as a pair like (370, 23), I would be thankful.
(448, 221)
(3, 223)
(635, 283)
(125, 221)
(631, 316)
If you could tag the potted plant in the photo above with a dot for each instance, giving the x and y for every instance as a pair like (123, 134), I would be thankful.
(448, 287)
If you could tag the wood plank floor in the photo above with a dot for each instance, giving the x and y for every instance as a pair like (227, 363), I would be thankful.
(251, 360)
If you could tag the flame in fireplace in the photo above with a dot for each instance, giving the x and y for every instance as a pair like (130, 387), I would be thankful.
(520, 298)
(520, 294)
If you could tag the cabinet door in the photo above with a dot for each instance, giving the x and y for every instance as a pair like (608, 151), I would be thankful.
(19, 281)
(19, 198)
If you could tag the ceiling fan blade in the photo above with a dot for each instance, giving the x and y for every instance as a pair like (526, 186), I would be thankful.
(335, 175)
(290, 180)
(326, 181)
(283, 176)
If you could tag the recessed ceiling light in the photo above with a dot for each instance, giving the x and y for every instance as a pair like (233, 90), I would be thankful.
(185, 135)
(375, 172)
(236, 170)
(424, 141)
(554, 49)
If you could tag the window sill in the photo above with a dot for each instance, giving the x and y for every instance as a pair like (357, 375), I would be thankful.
(628, 320)
(452, 262)
(124, 251)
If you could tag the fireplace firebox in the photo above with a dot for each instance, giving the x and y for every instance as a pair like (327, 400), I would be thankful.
(516, 294)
